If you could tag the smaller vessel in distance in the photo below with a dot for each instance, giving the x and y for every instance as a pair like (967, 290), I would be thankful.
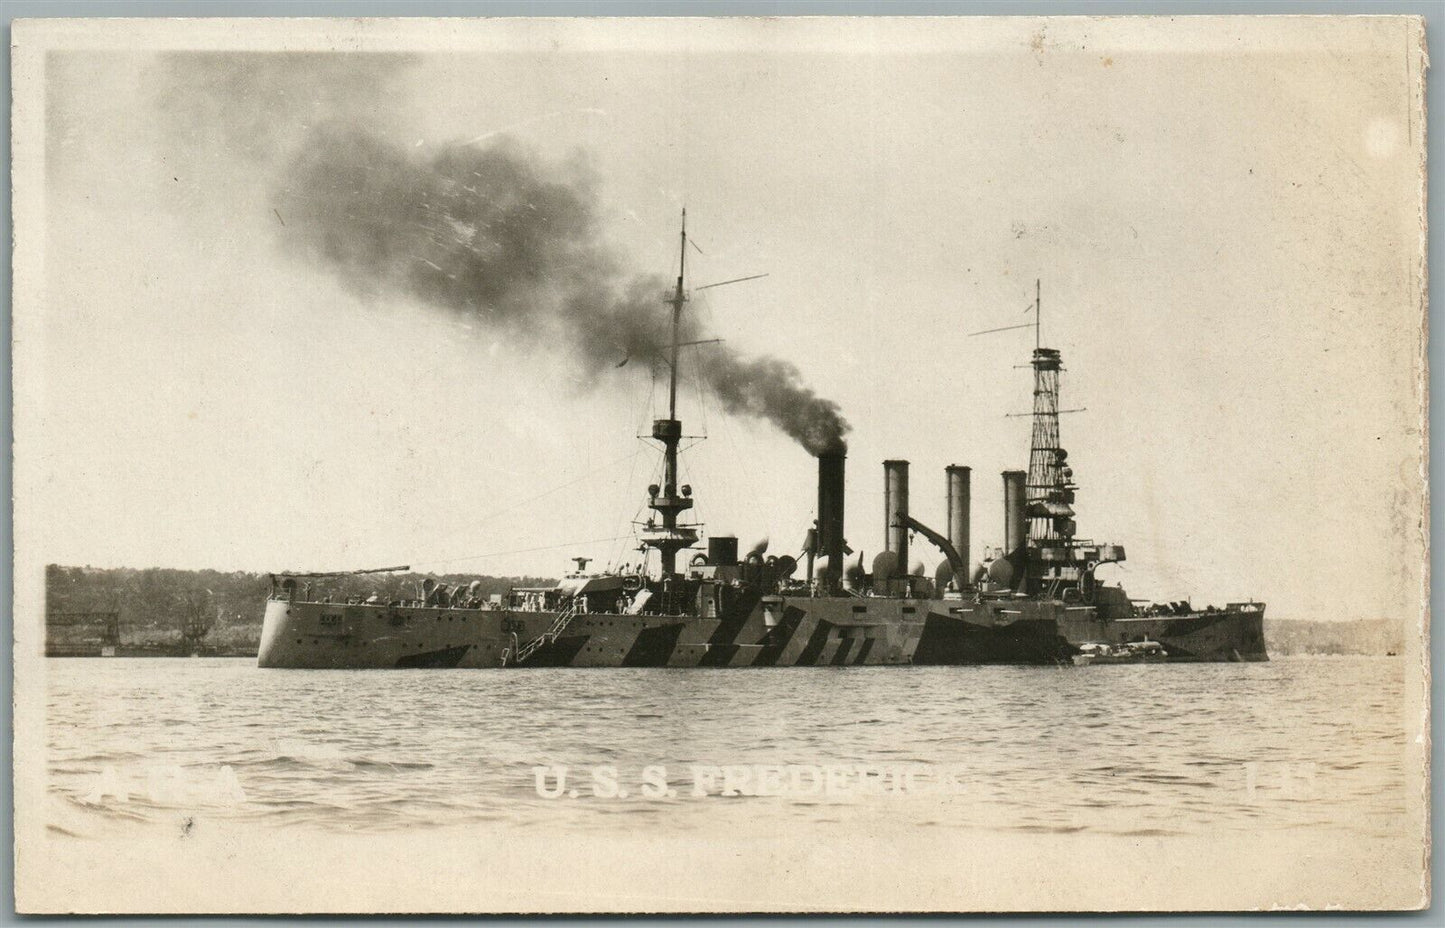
(1131, 652)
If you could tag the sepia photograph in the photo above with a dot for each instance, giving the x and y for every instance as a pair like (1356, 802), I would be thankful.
(720, 465)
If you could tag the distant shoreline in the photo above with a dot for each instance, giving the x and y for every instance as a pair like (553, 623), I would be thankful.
(1284, 637)
(133, 612)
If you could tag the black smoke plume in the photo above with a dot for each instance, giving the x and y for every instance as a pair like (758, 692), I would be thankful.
(491, 233)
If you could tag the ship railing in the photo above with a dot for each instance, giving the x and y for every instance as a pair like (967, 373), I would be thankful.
(559, 625)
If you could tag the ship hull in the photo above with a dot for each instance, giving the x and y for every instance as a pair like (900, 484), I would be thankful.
(1220, 636)
(757, 631)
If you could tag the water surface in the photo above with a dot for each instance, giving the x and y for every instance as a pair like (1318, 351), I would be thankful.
(1296, 744)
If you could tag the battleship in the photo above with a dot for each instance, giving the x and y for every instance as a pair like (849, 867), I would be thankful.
(1034, 600)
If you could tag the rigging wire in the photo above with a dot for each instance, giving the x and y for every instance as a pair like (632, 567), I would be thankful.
(636, 519)
(723, 488)
(703, 306)
(631, 474)
(477, 557)
(646, 409)
(531, 499)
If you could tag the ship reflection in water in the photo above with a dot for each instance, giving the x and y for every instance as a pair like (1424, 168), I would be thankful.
(1302, 744)
(1032, 601)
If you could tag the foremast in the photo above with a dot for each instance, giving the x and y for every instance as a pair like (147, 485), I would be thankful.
(669, 500)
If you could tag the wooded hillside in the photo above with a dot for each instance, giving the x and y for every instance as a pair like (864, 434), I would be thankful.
(153, 602)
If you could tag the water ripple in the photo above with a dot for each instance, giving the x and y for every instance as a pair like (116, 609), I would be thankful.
(1295, 744)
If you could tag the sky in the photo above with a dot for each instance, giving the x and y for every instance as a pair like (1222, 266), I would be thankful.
(241, 361)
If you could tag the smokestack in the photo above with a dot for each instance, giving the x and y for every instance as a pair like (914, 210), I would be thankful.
(722, 550)
(830, 513)
(895, 503)
(1013, 510)
(959, 478)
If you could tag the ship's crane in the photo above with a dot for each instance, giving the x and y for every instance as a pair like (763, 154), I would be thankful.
(955, 560)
